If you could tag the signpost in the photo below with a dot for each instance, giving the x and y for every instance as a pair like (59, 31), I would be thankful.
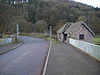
(50, 34)
(17, 29)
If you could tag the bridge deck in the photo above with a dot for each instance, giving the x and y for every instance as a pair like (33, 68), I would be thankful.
(68, 60)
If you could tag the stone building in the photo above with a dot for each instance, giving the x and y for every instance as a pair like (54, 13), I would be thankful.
(78, 30)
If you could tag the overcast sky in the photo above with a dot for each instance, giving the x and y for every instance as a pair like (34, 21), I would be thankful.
(95, 3)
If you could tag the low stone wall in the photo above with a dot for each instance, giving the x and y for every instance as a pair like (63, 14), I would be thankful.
(91, 49)
(7, 41)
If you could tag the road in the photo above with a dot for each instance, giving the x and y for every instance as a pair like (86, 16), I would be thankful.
(26, 59)
(65, 59)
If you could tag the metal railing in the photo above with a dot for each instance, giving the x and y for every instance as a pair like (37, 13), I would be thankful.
(91, 49)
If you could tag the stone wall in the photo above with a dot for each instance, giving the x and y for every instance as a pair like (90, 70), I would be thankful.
(7, 41)
(60, 37)
(82, 30)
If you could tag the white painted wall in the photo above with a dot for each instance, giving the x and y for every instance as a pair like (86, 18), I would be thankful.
(60, 37)
(7, 41)
(91, 49)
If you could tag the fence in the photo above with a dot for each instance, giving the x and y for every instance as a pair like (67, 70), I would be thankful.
(91, 49)
(7, 41)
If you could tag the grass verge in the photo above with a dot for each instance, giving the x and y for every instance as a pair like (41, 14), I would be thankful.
(96, 40)
(39, 35)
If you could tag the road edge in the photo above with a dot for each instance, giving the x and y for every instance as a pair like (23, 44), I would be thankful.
(10, 49)
(47, 59)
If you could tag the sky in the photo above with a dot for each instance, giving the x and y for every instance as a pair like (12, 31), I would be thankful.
(94, 3)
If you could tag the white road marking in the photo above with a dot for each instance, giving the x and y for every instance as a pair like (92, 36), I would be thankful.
(46, 62)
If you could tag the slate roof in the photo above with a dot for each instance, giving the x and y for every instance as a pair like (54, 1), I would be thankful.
(70, 27)
(64, 27)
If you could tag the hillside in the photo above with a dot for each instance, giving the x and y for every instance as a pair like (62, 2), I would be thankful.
(62, 11)
(38, 15)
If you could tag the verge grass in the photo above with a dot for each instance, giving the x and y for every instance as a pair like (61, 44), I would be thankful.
(39, 35)
(0, 40)
(96, 40)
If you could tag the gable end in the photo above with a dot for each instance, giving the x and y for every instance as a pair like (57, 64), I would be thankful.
(88, 29)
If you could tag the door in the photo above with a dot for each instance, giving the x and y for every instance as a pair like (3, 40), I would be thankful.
(65, 37)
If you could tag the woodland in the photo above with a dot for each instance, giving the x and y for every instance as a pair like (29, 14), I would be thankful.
(39, 15)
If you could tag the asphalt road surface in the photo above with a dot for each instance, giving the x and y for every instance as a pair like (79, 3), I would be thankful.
(27, 59)
(68, 60)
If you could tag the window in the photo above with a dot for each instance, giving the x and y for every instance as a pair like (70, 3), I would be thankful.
(81, 36)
